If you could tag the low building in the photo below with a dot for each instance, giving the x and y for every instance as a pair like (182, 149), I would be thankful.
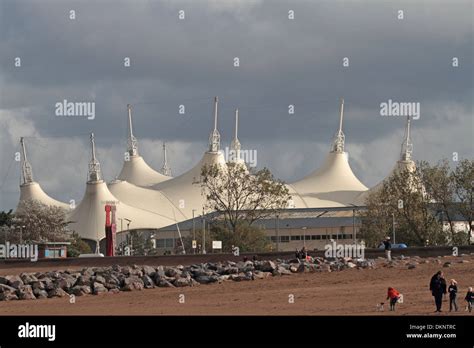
(288, 230)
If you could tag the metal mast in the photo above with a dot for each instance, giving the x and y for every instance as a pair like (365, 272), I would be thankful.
(339, 138)
(235, 144)
(215, 137)
(165, 170)
(94, 165)
(407, 145)
(132, 141)
(26, 170)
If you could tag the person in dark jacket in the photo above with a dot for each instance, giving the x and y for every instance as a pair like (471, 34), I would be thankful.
(438, 289)
(453, 292)
(388, 248)
(470, 299)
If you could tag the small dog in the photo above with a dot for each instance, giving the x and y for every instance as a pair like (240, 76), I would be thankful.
(380, 307)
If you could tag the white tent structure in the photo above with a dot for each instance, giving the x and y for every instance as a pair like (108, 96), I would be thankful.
(185, 192)
(30, 189)
(404, 163)
(332, 185)
(135, 170)
(88, 218)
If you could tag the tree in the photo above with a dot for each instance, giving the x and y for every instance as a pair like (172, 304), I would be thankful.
(403, 198)
(463, 178)
(41, 222)
(77, 246)
(6, 218)
(141, 243)
(439, 188)
(240, 197)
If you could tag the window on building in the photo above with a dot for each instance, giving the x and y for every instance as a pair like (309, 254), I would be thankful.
(295, 237)
(284, 239)
(160, 243)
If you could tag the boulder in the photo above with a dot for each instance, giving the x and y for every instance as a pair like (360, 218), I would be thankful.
(148, 282)
(181, 282)
(266, 266)
(65, 282)
(81, 290)
(172, 272)
(40, 294)
(25, 292)
(351, 264)
(447, 264)
(7, 293)
(149, 271)
(14, 281)
(411, 265)
(204, 279)
(132, 283)
(83, 280)
(99, 279)
(98, 288)
(28, 278)
(57, 292)
(163, 283)
(38, 285)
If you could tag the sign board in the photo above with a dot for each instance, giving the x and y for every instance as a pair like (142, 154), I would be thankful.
(194, 244)
(216, 244)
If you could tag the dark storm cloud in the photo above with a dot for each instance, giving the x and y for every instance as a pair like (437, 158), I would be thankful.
(282, 62)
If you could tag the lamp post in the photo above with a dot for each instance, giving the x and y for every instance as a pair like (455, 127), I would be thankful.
(21, 233)
(354, 234)
(128, 231)
(304, 235)
(277, 231)
(203, 233)
(393, 227)
(194, 232)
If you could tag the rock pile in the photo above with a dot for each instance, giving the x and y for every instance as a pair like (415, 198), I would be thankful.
(113, 279)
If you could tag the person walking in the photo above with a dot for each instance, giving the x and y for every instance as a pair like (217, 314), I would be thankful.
(438, 289)
(470, 299)
(388, 248)
(453, 292)
(393, 295)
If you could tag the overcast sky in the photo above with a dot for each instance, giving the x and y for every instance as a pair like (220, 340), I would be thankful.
(189, 61)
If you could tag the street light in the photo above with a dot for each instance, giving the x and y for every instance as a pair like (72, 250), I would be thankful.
(304, 235)
(393, 227)
(277, 230)
(353, 223)
(128, 231)
(194, 232)
(203, 249)
(21, 233)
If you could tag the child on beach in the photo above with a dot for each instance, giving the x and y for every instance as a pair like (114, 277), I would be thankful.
(453, 292)
(470, 299)
(393, 295)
